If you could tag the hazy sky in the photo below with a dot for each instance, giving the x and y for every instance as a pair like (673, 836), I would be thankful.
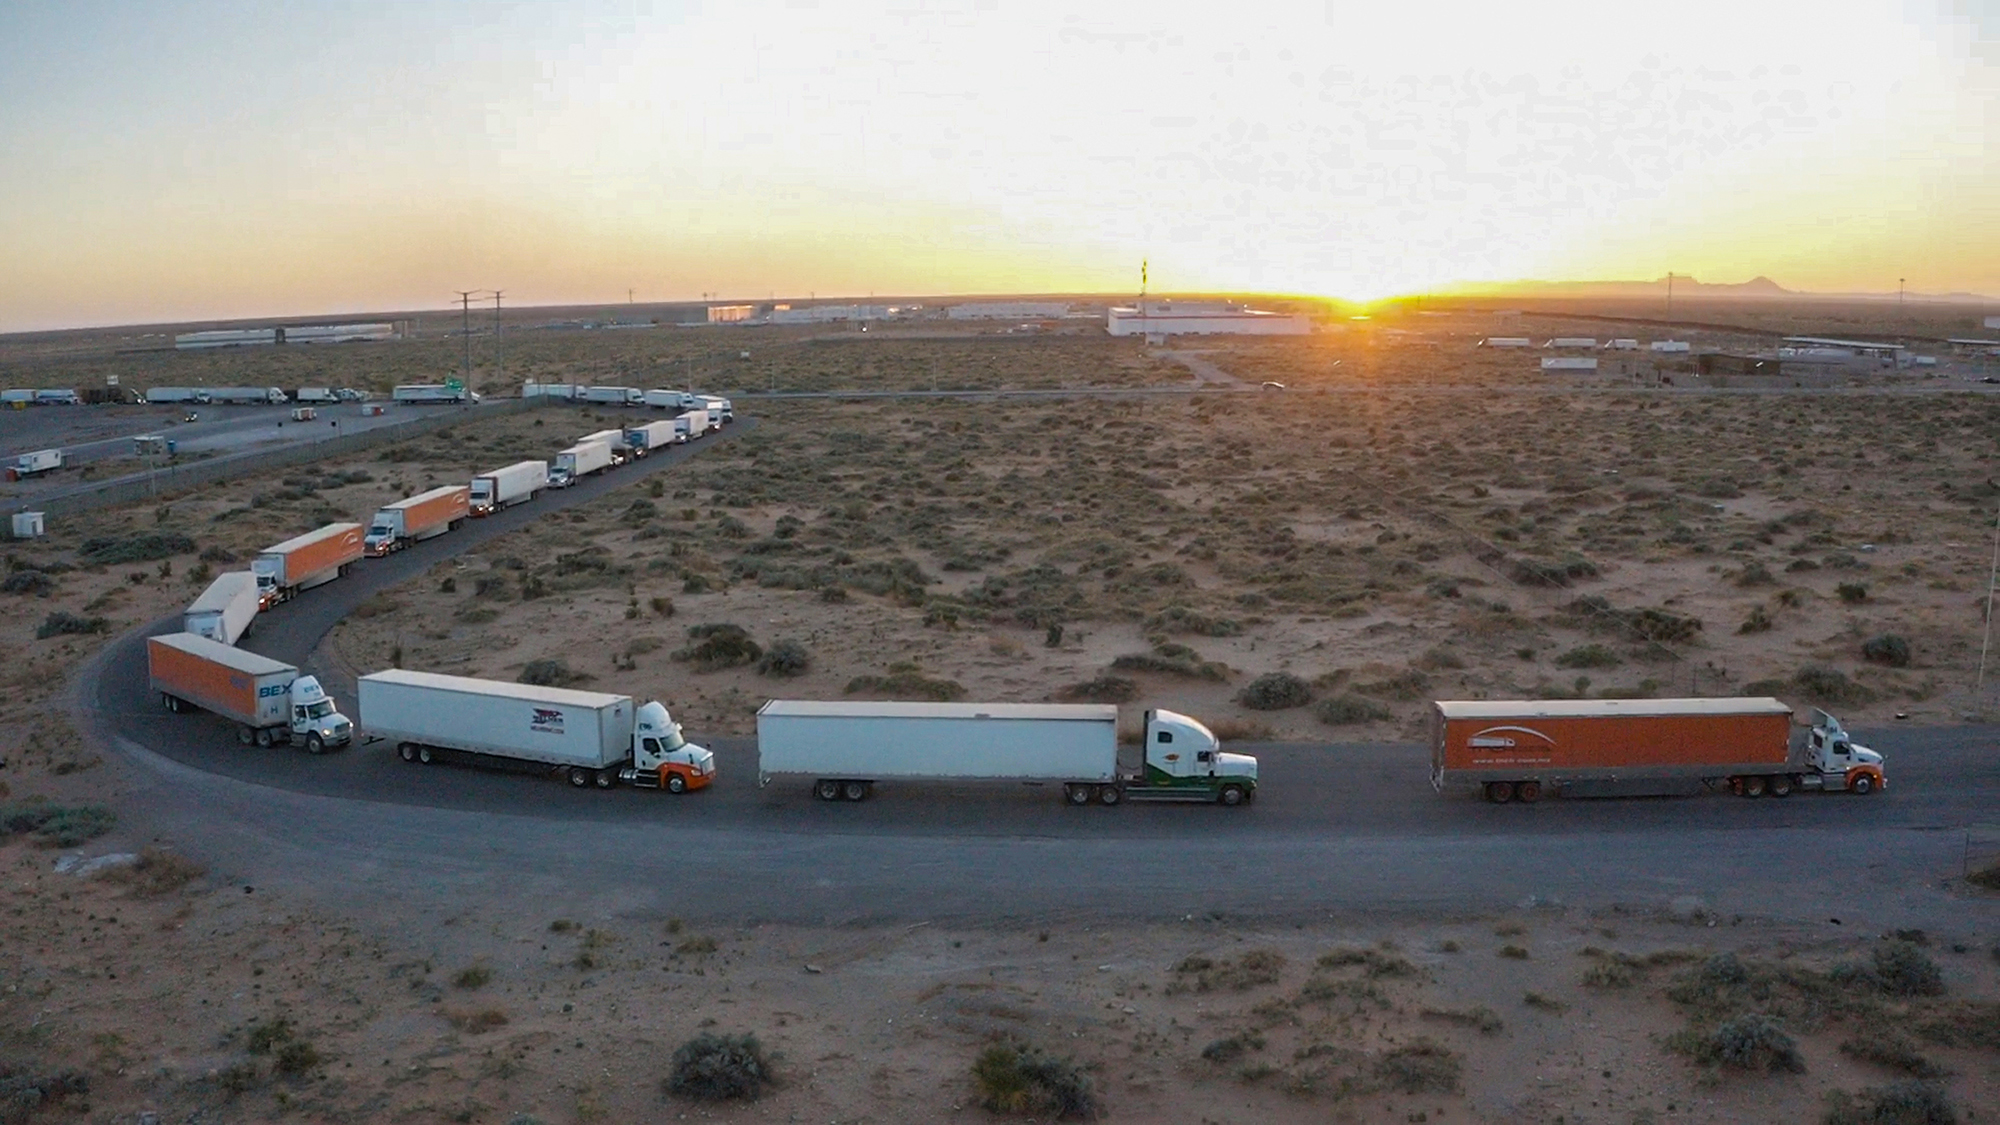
(162, 161)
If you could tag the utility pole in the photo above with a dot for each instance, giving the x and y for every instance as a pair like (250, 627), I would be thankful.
(1670, 294)
(499, 357)
(1986, 638)
(465, 328)
(1899, 293)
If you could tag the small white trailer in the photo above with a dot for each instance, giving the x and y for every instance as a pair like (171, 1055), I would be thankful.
(40, 461)
(226, 609)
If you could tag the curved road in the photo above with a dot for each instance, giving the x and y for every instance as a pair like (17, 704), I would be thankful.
(1335, 829)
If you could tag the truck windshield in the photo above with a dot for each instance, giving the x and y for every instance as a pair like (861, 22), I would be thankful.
(319, 710)
(379, 531)
(673, 741)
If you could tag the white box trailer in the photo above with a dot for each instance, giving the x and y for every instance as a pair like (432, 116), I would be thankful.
(653, 435)
(17, 396)
(695, 423)
(620, 448)
(719, 408)
(40, 461)
(846, 747)
(592, 738)
(668, 400)
(503, 488)
(613, 396)
(225, 610)
(579, 461)
(430, 394)
(176, 394)
(316, 395)
(259, 395)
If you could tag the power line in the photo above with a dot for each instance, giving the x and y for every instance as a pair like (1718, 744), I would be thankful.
(465, 327)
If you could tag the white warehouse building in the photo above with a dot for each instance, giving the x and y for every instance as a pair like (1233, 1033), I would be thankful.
(1162, 318)
(1009, 310)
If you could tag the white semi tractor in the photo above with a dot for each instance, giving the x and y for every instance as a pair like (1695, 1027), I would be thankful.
(268, 700)
(226, 609)
(503, 488)
(590, 738)
(652, 435)
(846, 747)
(583, 459)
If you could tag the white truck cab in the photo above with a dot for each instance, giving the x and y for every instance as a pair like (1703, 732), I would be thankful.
(1835, 761)
(316, 722)
(661, 758)
(1184, 757)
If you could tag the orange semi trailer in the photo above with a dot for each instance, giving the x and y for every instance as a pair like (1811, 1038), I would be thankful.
(1519, 750)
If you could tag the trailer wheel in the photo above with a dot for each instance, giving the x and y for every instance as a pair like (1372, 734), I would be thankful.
(1500, 792)
(425, 756)
(315, 745)
(1862, 785)
(244, 736)
(1110, 795)
(1231, 795)
(854, 790)
(1754, 785)
(1781, 785)
(579, 777)
(406, 751)
(676, 783)
(1528, 792)
(1077, 794)
(826, 790)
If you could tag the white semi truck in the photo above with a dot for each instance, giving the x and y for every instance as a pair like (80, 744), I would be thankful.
(226, 609)
(583, 459)
(620, 449)
(177, 394)
(316, 395)
(721, 409)
(651, 436)
(503, 488)
(846, 747)
(613, 396)
(264, 396)
(431, 394)
(268, 700)
(695, 423)
(668, 400)
(588, 737)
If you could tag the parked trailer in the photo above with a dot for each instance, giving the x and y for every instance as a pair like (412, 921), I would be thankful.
(430, 394)
(270, 396)
(225, 610)
(668, 400)
(309, 560)
(423, 516)
(57, 397)
(503, 488)
(40, 461)
(653, 435)
(320, 395)
(177, 394)
(579, 461)
(268, 700)
(846, 747)
(589, 737)
(17, 396)
(612, 396)
(1519, 750)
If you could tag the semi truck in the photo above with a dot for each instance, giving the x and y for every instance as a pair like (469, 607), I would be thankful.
(669, 400)
(268, 700)
(846, 747)
(1523, 750)
(694, 423)
(423, 516)
(620, 448)
(431, 394)
(590, 738)
(612, 396)
(259, 395)
(177, 395)
(40, 461)
(308, 560)
(225, 610)
(719, 408)
(316, 395)
(503, 488)
(653, 435)
(579, 461)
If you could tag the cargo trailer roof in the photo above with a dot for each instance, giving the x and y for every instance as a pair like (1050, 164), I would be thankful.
(297, 541)
(223, 590)
(564, 697)
(240, 659)
(1598, 708)
(823, 708)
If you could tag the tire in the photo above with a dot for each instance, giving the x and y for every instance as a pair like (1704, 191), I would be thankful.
(425, 756)
(1528, 792)
(406, 751)
(169, 702)
(579, 777)
(264, 737)
(1754, 786)
(1781, 785)
(1110, 795)
(676, 783)
(1862, 785)
(1077, 794)
(244, 737)
(826, 789)
(1231, 795)
(854, 790)
(603, 779)
(315, 744)
(1500, 792)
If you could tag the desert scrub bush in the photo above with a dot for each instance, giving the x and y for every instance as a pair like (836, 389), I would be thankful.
(1254, 969)
(1373, 962)
(1418, 1067)
(156, 872)
(1852, 593)
(713, 647)
(25, 1092)
(1482, 1019)
(1543, 572)
(1232, 1047)
(784, 659)
(1987, 877)
(63, 623)
(1756, 574)
(1898, 968)
(1588, 656)
(1347, 710)
(1908, 1102)
(474, 976)
(26, 582)
(1759, 621)
(1889, 649)
(55, 826)
(1181, 619)
(905, 681)
(1275, 691)
(549, 672)
(474, 1021)
(1015, 1078)
(105, 551)
(1654, 624)
(1171, 659)
(1891, 1049)
(1103, 689)
(1406, 686)
(1829, 685)
(1752, 1041)
(715, 1068)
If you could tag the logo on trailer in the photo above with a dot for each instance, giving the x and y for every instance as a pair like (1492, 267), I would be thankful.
(546, 720)
(1501, 738)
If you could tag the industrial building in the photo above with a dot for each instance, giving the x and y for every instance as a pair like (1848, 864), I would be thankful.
(296, 334)
(1008, 310)
(1888, 355)
(1164, 318)
(731, 314)
(830, 314)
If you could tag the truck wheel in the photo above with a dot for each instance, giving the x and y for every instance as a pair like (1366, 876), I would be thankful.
(1500, 792)
(315, 745)
(425, 756)
(1231, 795)
(1753, 786)
(1862, 785)
(244, 736)
(264, 737)
(1528, 792)
(579, 777)
(1077, 794)
(604, 779)
(854, 790)
(406, 751)
(826, 790)
(1781, 785)
(676, 783)
(1110, 795)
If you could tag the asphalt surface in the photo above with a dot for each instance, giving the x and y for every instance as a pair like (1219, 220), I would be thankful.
(1335, 830)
